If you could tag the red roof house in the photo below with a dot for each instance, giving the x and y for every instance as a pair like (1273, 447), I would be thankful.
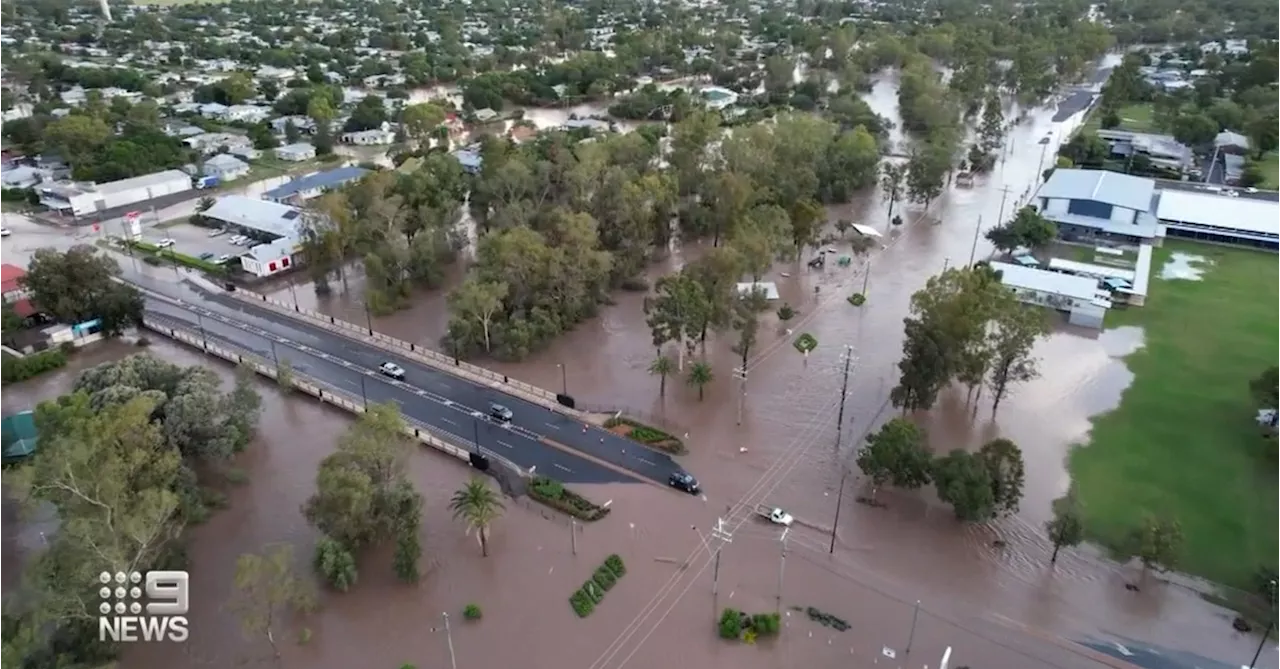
(12, 291)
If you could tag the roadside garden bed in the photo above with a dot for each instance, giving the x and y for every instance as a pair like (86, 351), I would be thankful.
(739, 625)
(646, 435)
(193, 262)
(552, 493)
(584, 599)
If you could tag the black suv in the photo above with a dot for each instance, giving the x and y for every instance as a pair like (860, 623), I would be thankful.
(684, 481)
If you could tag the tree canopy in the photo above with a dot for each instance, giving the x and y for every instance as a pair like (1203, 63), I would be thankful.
(79, 285)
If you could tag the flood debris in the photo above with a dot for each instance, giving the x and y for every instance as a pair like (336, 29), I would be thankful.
(823, 618)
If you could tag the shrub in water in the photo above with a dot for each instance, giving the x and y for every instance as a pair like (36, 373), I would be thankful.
(730, 624)
(471, 612)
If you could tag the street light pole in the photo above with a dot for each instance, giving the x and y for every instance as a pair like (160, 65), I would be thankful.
(973, 250)
(782, 567)
(294, 291)
(204, 338)
(844, 392)
(363, 393)
(453, 659)
(740, 373)
(915, 615)
(368, 319)
(1271, 626)
(475, 432)
(276, 358)
(564, 379)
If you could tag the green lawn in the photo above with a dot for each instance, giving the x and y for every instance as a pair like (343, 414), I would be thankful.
(1183, 442)
(1135, 118)
(1271, 171)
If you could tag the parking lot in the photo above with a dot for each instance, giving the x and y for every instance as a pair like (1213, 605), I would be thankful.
(195, 241)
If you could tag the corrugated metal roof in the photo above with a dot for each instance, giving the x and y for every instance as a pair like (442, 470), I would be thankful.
(1113, 188)
(318, 180)
(144, 181)
(1055, 283)
(1232, 213)
(269, 217)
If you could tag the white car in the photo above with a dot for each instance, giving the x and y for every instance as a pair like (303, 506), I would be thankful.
(237, 240)
(224, 259)
(5, 232)
(165, 243)
(218, 232)
(391, 369)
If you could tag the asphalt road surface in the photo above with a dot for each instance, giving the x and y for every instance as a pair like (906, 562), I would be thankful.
(444, 402)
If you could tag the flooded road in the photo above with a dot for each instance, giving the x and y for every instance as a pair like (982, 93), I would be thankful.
(914, 543)
(999, 606)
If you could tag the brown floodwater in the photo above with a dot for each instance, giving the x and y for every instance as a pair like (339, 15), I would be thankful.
(995, 604)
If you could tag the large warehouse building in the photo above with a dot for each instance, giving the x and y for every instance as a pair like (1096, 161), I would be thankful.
(1216, 218)
(82, 199)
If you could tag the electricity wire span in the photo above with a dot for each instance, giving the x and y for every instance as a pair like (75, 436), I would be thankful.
(739, 513)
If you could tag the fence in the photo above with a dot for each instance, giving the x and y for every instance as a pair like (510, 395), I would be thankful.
(420, 353)
(315, 388)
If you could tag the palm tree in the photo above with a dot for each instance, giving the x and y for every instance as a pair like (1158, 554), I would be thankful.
(700, 375)
(479, 506)
(662, 366)
(204, 204)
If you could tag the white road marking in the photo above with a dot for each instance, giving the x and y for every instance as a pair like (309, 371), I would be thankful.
(647, 462)
(503, 443)
(554, 427)
(448, 421)
(560, 466)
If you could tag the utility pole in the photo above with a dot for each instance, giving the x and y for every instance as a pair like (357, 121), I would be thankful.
(740, 373)
(782, 566)
(363, 393)
(866, 278)
(368, 319)
(1004, 195)
(294, 292)
(724, 536)
(448, 634)
(573, 535)
(973, 250)
(275, 357)
(564, 379)
(915, 615)
(475, 433)
(204, 338)
(844, 391)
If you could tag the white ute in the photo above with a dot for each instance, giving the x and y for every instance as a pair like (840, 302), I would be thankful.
(391, 369)
(774, 515)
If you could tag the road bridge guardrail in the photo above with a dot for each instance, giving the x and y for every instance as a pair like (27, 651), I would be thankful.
(325, 392)
(434, 359)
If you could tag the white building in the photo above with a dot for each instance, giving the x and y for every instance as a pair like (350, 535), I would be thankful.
(296, 153)
(1080, 297)
(280, 223)
(719, 98)
(246, 113)
(375, 137)
(225, 166)
(81, 199)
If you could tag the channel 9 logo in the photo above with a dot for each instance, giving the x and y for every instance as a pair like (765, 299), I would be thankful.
(126, 618)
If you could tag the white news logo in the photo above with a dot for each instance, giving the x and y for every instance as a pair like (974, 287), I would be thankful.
(122, 618)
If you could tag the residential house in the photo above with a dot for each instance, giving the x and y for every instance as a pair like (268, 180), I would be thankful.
(469, 159)
(296, 153)
(304, 124)
(314, 185)
(1162, 150)
(375, 137)
(246, 113)
(486, 115)
(213, 110)
(1231, 142)
(719, 98)
(12, 292)
(187, 108)
(22, 176)
(212, 142)
(225, 166)
(1096, 204)
(279, 223)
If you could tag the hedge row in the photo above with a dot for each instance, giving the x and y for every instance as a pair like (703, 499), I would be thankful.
(553, 493)
(585, 599)
(154, 251)
(648, 435)
(17, 369)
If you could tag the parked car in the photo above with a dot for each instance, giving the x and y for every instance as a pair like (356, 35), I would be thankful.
(224, 258)
(391, 369)
(206, 256)
(5, 232)
(218, 232)
(165, 243)
(684, 481)
(238, 240)
(500, 413)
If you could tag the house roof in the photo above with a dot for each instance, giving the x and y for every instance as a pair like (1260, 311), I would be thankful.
(144, 181)
(1055, 283)
(300, 147)
(225, 160)
(1228, 138)
(269, 217)
(1113, 188)
(9, 275)
(318, 180)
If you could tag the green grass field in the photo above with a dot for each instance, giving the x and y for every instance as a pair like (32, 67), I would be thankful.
(1183, 442)
(1271, 170)
(1135, 118)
